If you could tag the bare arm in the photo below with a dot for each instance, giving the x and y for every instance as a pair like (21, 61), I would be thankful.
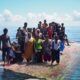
(9, 41)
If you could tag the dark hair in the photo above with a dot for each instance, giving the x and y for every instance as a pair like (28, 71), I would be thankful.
(25, 24)
(45, 20)
(40, 22)
(5, 30)
(62, 23)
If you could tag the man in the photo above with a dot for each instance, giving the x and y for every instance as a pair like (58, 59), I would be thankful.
(24, 37)
(44, 28)
(25, 32)
(45, 25)
(62, 29)
(4, 45)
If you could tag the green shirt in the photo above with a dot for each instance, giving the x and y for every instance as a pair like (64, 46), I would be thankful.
(38, 44)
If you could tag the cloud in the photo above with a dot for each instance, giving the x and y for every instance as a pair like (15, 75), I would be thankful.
(70, 19)
(17, 18)
(1, 18)
(76, 15)
(7, 18)
(7, 15)
(36, 17)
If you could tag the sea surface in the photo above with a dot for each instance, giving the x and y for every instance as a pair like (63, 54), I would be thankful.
(73, 34)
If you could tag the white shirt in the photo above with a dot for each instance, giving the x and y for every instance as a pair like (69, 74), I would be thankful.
(26, 37)
(57, 45)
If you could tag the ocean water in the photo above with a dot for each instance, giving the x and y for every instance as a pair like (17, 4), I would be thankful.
(11, 32)
(73, 33)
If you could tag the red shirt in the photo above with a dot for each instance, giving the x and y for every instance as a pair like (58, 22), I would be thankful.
(50, 32)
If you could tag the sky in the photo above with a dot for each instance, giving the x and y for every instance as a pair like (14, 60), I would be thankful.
(16, 12)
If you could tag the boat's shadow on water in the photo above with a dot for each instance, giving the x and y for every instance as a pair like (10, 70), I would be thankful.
(6, 74)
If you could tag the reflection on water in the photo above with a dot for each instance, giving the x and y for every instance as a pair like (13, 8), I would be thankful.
(10, 75)
(74, 72)
(6, 74)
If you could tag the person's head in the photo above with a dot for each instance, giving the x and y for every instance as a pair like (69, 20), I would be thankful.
(56, 38)
(25, 25)
(50, 24)
(33, 29)
(29, 35)
(19, 29)
(5, 31)
(38, 31)
(40, 22)
(45, 21)
(40, 35)
(55, 33)
(14, 44)
(62, 24)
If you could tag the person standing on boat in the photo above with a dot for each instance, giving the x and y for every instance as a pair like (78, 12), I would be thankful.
(24, 37)
(5, 45)
(55, 50)
(47, 49)
(28, 51)
(38, 49)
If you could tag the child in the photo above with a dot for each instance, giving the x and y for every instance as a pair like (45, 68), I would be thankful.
(11, 56)
(17, 52)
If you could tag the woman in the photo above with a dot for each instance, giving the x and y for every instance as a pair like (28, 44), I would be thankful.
(55, 50)
(47, 49)
(28, 51)
(38, 49)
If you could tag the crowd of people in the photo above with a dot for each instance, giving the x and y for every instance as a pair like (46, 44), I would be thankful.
(37, 45)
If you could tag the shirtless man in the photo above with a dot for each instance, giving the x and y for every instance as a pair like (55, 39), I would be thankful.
(4, 45)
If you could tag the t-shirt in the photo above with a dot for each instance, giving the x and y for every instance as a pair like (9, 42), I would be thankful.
(11, 54)
(38, 44)
(55, 45)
